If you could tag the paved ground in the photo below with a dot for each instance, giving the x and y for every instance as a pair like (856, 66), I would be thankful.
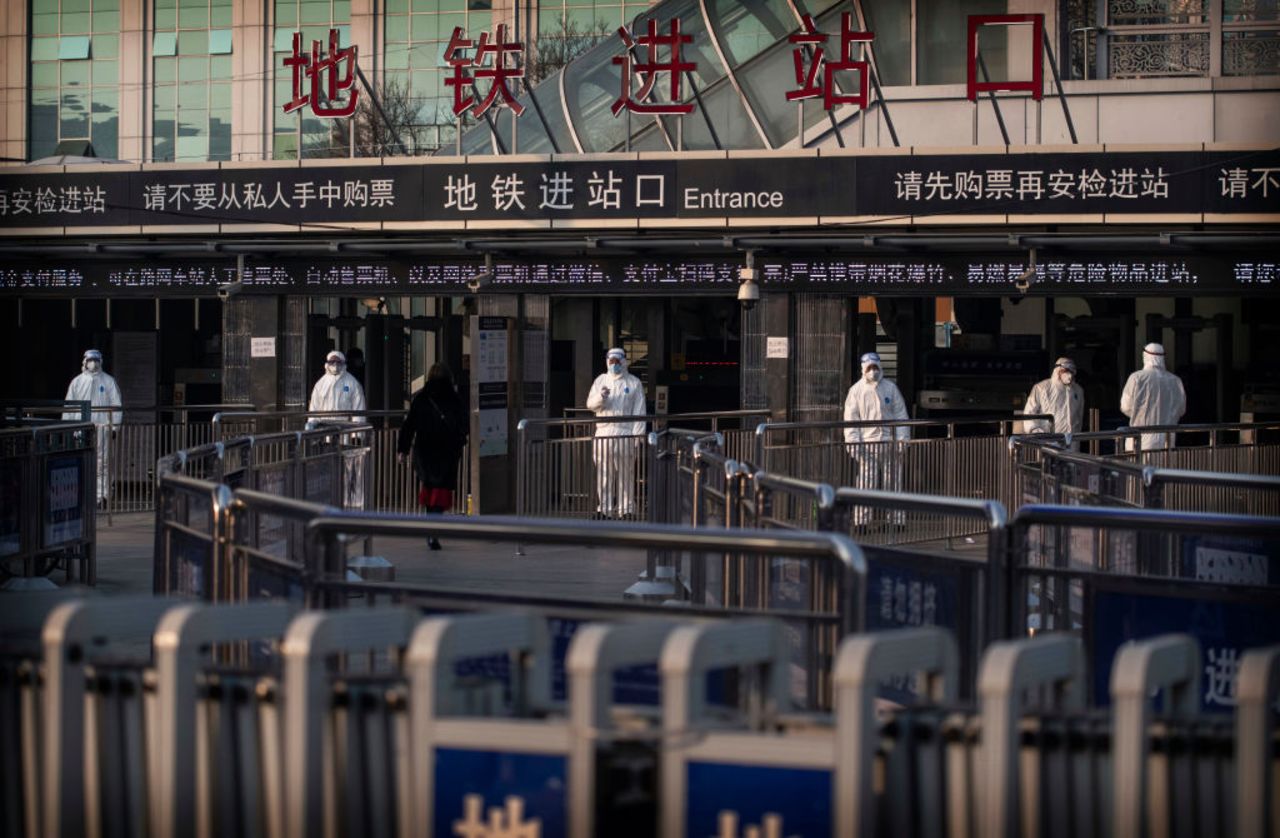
(125, 550)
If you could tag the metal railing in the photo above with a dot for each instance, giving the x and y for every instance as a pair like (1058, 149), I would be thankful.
(48, 501)
(959, 458)
(1048, 473)
(563, 470)
(408, 716)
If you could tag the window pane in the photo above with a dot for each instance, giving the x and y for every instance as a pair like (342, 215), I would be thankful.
(164, 43)
(106, 46)
(193, 18)
(342, 10)
(425, 5)
(193, 69)
(74, 6)
(106, 21)
(193, 97)
(166, 70)
(44, 49)
(44, 74)
(76, 72)
(397, 28)
(220, 17)
(397, 57)
(284, 40)
(286, 14)
(891, 21)
(220, 137)
(44, 24)
(76, 23)
(73, 115)
(1249, 11)
(315, 12)
(285, 147)
(192, 147)
(452, 5)
(220, 42)
(106, 5)
(162, 147)
(44, 7)
(220, 67)
(220, 95)
(193, 42)
(426, 28)
(166, 18)
(163, 97)
(106, 72)
(940, 51)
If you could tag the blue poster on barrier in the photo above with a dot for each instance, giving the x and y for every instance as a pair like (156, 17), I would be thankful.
(63, 517)
(189, 558)
(728, 799)
(1225, 625)
(492, 793)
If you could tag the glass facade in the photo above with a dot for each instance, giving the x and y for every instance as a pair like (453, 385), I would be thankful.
(75, 75)
(191, 60)
(745, 66)
(300, 133)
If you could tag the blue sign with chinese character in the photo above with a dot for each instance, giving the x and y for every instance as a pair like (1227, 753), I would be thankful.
(727, 799)
(1226, 626)
(491, 793)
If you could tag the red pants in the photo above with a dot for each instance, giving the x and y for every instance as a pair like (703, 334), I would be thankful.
(435, 498)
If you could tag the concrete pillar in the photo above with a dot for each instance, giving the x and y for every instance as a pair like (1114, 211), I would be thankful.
(264, 373)
(14, 67)
(252, 80)
(777, 324)
(135, 82)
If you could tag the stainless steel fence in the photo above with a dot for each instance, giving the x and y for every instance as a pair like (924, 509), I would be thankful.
(1046, 473)
(160, 718)
(48, 497)
(961, 458)
(564, 470)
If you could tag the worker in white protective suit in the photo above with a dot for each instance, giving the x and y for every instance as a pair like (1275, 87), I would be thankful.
(1060, 396)
(100, 390)
(338, 389)
(877, 449)
(616, 392)
(1153, 396)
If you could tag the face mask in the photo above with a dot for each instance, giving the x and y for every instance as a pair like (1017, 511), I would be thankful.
(333, 369)
(1066, 378)
(872, 375)
(92, 366)
(616, 369)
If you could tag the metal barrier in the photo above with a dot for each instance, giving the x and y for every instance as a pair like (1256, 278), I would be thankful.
(1048, 474)
(154, 717)
(1113, 575)
(958, 458)
(565, 471)
(48, 501)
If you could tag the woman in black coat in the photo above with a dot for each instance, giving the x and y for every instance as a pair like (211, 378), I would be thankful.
(436, 430)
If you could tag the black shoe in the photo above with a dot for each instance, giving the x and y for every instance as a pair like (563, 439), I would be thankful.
(434, 543)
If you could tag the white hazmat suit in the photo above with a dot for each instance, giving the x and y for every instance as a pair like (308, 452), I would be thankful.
(100, 390)
(1059, 395)
(876, 449)
(1153, 396)
(616, 446)
(338, 389)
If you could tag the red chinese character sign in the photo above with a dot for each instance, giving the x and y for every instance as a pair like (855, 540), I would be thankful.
(650, 69)
(328, 77)
(1035, 86)
(466, 72)
(819, 77)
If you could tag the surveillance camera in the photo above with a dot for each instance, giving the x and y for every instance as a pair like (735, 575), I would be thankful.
(230, 289)
(1024, 280)
(481, 280)
(748, 293)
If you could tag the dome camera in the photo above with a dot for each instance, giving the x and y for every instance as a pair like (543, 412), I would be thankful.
(483, 279)
(1024, 280)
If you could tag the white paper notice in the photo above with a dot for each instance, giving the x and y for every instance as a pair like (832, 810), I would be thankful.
(776, 348)
(262, 347)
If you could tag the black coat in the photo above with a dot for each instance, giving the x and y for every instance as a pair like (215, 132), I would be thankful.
(436, 429)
